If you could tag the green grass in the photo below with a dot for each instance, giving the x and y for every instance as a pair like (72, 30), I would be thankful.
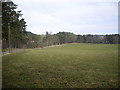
(67, 66)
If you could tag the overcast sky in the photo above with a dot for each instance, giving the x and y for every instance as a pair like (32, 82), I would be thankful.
(77, 16)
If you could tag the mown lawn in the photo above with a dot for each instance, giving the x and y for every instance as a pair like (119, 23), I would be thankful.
(66, 66)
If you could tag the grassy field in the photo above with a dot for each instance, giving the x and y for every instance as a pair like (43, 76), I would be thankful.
(66, 66)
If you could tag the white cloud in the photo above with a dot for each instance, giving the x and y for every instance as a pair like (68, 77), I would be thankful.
(77, 16)
(64, 1)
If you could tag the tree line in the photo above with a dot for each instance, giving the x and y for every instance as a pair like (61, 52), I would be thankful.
(13, 26)
(14, 34)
